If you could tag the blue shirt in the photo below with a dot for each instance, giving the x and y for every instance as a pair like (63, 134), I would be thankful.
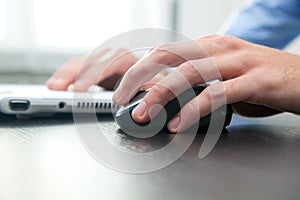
(272, 23)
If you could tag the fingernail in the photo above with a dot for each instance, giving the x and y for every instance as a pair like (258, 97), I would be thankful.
(50, 81)
(174, 124)
(79, 86)
(139, 111)
(116, 97)
(59, 81)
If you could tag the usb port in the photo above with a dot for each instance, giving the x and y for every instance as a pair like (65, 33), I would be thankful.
(19, 105)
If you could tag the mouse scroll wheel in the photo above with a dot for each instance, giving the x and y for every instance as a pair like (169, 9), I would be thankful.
(140, 92)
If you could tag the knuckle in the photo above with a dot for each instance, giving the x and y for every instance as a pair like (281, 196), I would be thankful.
(192, 108)
(164, 52)
(169, 46)
(161, 93)
(269, 83)
(130, 75)
(247, 55)
(121, 51)
(189, 69)
(141, 71)
(247, 58)
(228, 42)
(217, 91)
(232, 88)
(75, 61)
(189, 66)
(124, 54)
(232, 85)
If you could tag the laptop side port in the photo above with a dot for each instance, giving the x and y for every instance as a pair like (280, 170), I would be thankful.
(19, 105)
(61, 105)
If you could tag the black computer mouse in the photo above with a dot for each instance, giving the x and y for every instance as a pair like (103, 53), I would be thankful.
(159, 122)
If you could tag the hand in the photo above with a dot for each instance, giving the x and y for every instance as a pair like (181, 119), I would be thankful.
(94, 70)
(257, 80)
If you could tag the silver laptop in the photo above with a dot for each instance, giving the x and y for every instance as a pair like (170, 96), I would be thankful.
(19, 99)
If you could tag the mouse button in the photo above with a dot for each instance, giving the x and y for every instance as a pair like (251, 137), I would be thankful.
(126, 109)
(140, 95)
(172, 108)
(133, 102)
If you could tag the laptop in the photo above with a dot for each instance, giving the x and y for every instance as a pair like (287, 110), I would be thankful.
(30, 99)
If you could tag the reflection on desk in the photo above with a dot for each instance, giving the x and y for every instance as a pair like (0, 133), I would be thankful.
(43, 158)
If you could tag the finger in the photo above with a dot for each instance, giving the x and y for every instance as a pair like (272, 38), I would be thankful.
(204, 37)
(123, 60)
(217, 44)
(167, 55)
(155, 80)
(65, 76)
(93, 67)
(110, 82)
(98, 55)
(105, 72)
(212, 98)
(186, 75)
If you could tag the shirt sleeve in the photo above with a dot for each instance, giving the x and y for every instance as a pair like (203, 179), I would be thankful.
(272, 23)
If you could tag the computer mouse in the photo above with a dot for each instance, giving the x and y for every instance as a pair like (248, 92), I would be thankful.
(159, 123)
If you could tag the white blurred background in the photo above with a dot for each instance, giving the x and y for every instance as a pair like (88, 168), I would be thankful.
(40, 35)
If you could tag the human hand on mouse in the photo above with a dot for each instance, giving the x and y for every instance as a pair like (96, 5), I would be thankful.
(257, 80)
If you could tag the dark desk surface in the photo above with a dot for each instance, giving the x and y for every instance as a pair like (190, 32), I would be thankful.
(44, 159)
